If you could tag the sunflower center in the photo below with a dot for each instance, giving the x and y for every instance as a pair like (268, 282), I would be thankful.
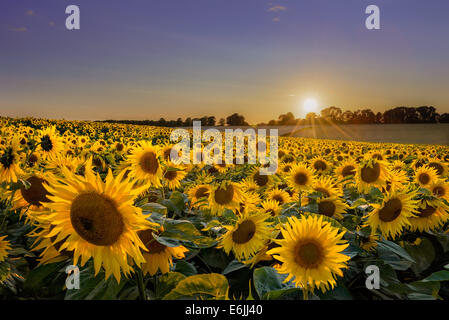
(245, 232)
(201, 192)
(119, 147)
(348, 170)
(301, 178)
(439, 191)
(224, 196)
(326, 208)
(46, 143)
(391, 210)
(7, 158)
(370, 174)
(309, 254)
(96, 219)
(36, 193)
(424, 178)
(170, 175)
(148, 162)
(150, 243)
(426, 212)
(319, 165)
(278, 198)
(261, 180)
(33, 159)
(323, 191)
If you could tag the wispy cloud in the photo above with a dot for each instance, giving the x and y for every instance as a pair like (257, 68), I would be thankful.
(51, 23)
(20, 29)
(277, 8)
(30, 13)
(276, 19)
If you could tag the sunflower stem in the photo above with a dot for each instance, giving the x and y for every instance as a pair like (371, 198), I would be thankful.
(141, 285)
(305, 293)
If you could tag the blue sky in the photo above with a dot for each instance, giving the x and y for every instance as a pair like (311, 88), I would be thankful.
(146, 59)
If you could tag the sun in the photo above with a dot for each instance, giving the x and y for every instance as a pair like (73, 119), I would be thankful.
(310, 105)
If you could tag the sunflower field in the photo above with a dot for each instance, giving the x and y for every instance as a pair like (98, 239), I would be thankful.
(109, 200)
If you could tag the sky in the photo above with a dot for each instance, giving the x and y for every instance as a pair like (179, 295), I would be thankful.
(147, 59)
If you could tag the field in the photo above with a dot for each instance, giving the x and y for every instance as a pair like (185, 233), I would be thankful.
(340, 219)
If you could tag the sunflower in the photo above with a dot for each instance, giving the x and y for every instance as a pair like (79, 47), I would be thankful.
(279, 195)
(346, 169)
(9, 162)
(144, 164)
(424, 176)
(394, 213)
(260, 179)
(332, 207)
(157, 255)
(97, 219)
(369, 243)
(310, 252)
(198, 194)
(300, 178)
(173, 175)
(271, 207)
(440, 189)
(431, 215)
(440, 167)
(50, 144)
(396, 180)
(327, 187)
(4, 248)
(33, 194)
(248, 185)
(226, 195)
(249, 202)
(166, 152)
(247, 236)
(371, 173)
(320, 165)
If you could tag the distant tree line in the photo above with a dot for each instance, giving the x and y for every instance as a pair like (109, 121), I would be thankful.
(206, 121)
(328, 115)
(336, 115)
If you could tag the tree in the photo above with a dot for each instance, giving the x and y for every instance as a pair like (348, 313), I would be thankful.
(236, 120)
(222, 122)
(211, 121)
(287, 119)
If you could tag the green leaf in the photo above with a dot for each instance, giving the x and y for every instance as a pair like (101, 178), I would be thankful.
(167, 282)
(394, 255)
(4, 271)
(284, 294)
(95, 287)
(423, 254)
(186, 268)
(234, 265)
(154, 207)
(202, 286)
(41, 276)
(267, 279)
(423, 290)
(442, 275)
(184, 230)
(215, 258)
(352, 251)
(338, 293)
